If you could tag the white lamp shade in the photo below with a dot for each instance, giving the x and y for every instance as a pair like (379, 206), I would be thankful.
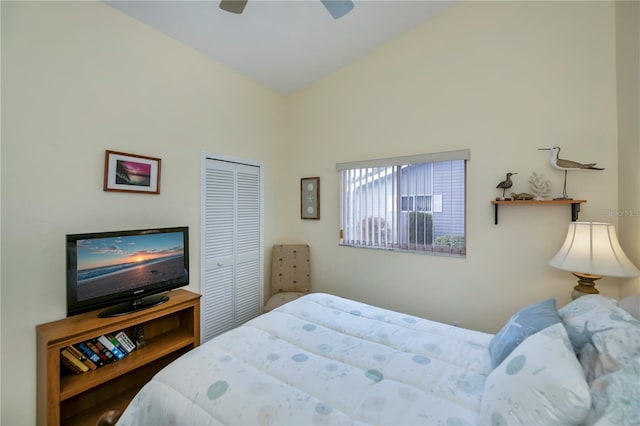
(593, 248)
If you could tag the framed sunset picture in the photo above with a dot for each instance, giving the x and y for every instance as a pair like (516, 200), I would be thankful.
(131, 173)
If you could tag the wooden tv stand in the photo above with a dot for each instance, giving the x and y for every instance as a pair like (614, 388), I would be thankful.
(170, 329)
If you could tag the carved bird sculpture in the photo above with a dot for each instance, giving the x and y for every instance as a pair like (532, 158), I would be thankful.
(506, 184)
(562, 164)
(566, 165)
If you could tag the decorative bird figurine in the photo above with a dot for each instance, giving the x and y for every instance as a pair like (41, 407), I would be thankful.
(506, 184)
(566, 165)
(562, 164)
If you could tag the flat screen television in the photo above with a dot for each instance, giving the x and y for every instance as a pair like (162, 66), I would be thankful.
(125, 270)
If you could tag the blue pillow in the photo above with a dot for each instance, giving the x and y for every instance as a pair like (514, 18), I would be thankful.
(526, 322)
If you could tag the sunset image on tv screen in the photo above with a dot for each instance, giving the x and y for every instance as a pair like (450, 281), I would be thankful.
(111, 265)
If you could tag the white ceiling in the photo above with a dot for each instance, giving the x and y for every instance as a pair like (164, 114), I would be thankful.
(283, 45)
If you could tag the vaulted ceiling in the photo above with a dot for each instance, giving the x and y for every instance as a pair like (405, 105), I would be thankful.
(283, 45)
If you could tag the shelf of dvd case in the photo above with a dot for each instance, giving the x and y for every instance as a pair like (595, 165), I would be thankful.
(169, 330)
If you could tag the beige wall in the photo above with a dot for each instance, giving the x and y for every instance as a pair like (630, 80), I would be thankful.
(499, 78)
(79, 78)
(502, 79)
(628, 70)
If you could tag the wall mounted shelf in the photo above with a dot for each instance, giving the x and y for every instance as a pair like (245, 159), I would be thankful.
(575, 205)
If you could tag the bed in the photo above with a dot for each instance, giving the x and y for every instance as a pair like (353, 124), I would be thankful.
(322, 359)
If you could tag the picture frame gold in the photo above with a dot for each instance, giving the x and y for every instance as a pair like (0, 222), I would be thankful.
(125, 172)
(310, 198)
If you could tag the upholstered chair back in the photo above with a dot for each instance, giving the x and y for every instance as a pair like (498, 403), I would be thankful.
(290, 274)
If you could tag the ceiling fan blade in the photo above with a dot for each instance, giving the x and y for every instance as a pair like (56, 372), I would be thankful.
(233, 6)
(338, 8)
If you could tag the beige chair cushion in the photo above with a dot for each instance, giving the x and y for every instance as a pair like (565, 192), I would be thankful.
(280, 299)
(290, 274)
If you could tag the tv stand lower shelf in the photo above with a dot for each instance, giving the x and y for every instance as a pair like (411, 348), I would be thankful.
(170, 330)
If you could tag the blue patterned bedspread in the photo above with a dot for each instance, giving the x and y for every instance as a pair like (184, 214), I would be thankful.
(323, 360)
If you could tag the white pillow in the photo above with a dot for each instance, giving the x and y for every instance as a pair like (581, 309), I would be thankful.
(616, 398)
(540, 382)
(610, 350)
(588, 315)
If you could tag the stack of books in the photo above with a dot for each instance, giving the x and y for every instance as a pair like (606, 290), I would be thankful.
(92, 354)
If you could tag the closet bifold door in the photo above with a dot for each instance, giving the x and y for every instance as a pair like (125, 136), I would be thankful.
(231, 284)
(248, 300)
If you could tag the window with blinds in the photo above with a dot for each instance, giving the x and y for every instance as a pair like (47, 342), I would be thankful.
(414, 203)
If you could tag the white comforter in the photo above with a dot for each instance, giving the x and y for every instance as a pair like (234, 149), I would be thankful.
(323, 360)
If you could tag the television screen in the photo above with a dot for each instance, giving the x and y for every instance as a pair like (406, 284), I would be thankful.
(109, 268)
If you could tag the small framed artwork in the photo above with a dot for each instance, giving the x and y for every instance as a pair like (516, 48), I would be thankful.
(131, 173)
(310, 198)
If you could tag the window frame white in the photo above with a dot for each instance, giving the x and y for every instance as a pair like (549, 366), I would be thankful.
(390, 167)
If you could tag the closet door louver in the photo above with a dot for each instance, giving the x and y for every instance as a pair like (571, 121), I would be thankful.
(248, 301)
(231, 285)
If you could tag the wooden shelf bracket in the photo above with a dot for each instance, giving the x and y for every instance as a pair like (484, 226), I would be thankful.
(575, 205)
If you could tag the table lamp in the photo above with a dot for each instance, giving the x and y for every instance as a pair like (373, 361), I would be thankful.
(590, 251)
